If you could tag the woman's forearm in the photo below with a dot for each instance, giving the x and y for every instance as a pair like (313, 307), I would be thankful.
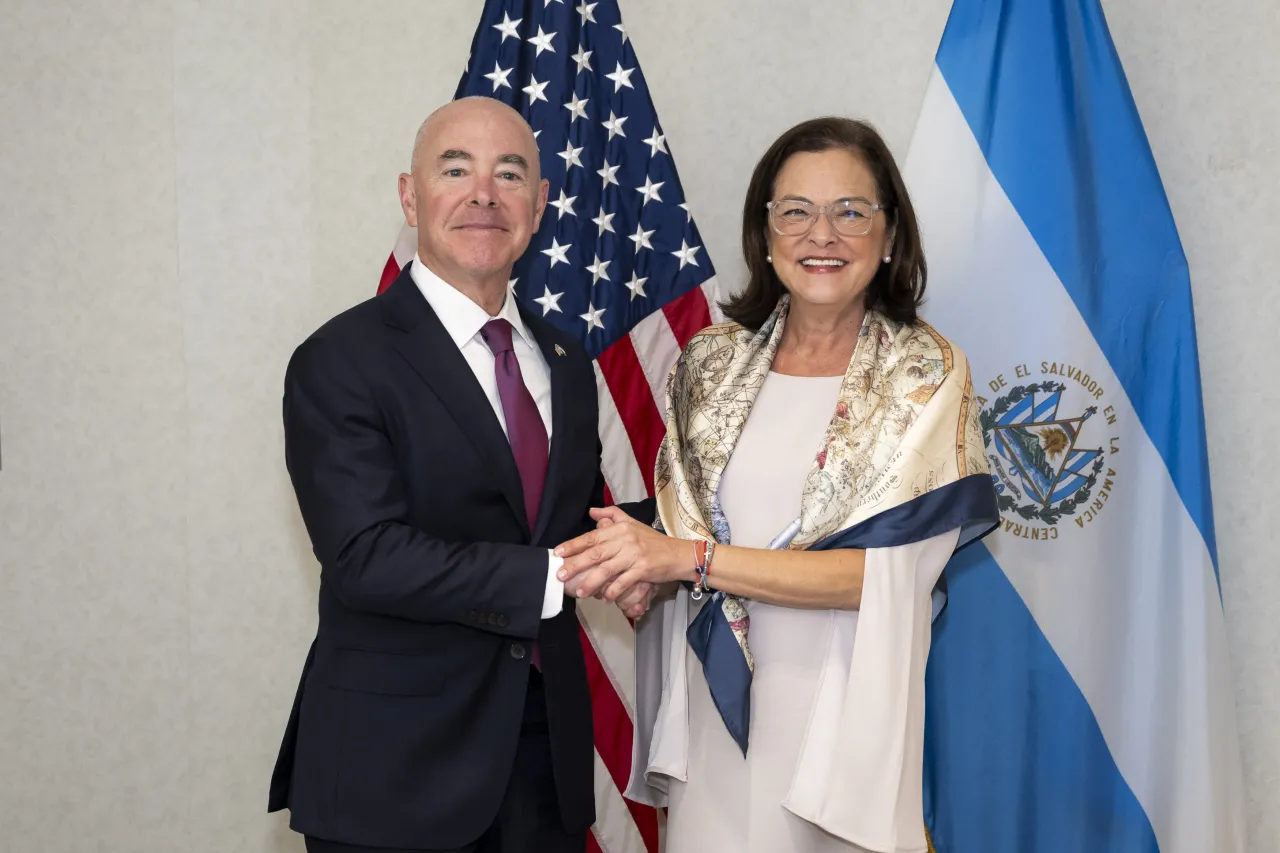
(615, 557)
(805, 579)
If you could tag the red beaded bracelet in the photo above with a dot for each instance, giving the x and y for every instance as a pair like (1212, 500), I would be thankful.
(703, 552)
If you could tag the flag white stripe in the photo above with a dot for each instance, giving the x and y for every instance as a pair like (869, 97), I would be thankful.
(711, 290)
(615, 829)
(406, 245)
(657, 349)
(613, 639)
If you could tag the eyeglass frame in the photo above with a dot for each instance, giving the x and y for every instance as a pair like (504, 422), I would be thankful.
(823, 210)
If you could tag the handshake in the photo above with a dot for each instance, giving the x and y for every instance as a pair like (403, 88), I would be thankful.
(623, 561)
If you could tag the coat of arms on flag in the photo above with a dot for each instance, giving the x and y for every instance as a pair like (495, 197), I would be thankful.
(1042, 470)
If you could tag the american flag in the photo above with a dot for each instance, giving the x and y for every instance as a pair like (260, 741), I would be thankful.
(619, 263)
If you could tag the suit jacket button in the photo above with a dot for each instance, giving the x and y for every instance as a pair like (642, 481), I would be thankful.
(502, 621)
(517, 651)
(474, 616)
(494, 619)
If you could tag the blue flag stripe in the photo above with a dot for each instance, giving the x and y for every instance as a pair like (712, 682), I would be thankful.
(1067, 486)
(1030, 744)
(1043, 91)
(1016, 413)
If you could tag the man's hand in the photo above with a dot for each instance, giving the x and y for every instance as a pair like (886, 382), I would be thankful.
(619, 555)
(635, 601)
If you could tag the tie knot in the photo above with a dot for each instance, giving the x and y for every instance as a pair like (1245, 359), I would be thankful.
(497, 336)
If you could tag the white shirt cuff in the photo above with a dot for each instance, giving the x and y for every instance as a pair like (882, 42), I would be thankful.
(553, 598)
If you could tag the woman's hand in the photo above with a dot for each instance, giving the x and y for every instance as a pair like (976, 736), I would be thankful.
(618, 556)
(635, 601)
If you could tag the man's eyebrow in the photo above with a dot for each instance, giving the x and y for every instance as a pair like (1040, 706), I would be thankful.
(514, 160)
(454, 154)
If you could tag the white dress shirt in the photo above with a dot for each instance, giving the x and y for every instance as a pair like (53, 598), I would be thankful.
(463, 320)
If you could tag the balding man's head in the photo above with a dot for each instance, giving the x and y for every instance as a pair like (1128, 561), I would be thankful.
(474, 192)
(470, 108)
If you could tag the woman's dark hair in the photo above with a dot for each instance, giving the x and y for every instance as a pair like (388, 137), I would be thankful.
(898, 286)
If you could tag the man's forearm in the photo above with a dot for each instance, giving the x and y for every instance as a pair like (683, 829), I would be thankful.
(396, 570)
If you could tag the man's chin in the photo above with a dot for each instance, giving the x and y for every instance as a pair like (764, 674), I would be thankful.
(481, 264)
(475, 255)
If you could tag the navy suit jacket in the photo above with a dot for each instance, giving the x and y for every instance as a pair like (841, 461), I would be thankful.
(405, 724)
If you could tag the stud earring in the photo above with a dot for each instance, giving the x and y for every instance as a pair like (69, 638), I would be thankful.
(769, 258)
(887, 259)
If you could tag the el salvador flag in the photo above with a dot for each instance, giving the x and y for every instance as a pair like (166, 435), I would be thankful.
(1079, 691)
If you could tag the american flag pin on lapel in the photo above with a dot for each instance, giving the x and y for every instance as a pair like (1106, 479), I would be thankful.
(559, 350)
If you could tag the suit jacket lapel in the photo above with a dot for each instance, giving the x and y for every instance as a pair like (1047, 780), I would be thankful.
(430, 351)
(558, 366)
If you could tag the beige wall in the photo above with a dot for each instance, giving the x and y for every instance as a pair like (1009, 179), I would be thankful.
(189, 188)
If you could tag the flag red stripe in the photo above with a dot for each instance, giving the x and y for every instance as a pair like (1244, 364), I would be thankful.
(593, 846)
(389, 273)
(688, 314)
(613, 729)
(634, 401)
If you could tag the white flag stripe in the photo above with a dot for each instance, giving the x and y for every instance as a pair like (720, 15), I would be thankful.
(615, 830)
(657, 349)
(612, 637)
(406, 245)
(1168, 738)
(711, 291)
(618, 460)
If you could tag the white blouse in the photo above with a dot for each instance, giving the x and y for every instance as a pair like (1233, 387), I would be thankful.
(837, 727)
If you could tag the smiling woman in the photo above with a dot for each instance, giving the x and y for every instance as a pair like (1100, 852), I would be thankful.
(827, 197)
(822, 461)
(823, 453)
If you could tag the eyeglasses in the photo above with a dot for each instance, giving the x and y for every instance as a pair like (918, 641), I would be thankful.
(792, 218)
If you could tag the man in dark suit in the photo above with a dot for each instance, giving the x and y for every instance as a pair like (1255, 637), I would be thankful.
(441, 441)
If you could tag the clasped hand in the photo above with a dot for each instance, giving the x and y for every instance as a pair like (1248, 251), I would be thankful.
(622, 561)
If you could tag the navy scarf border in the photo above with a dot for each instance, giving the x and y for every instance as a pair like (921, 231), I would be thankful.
(968, 503)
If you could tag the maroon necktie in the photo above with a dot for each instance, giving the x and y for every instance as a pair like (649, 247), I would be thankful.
(525, 429)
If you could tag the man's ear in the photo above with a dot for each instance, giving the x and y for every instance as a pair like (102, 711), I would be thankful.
(408, 200)
(544, 188)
